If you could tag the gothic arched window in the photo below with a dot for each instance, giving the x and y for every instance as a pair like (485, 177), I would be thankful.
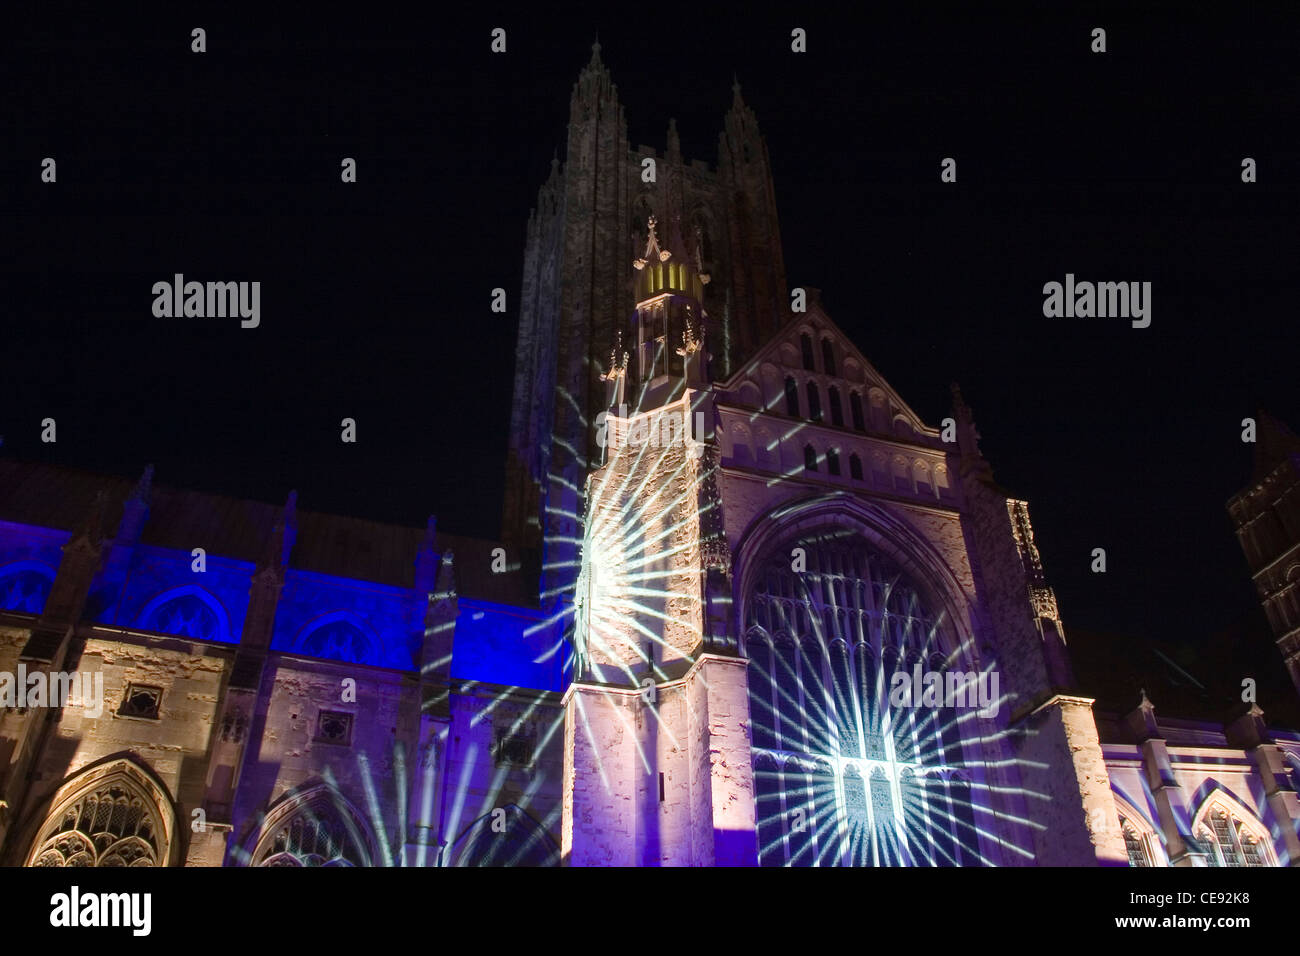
(806, 348)
(809, 458)
(833, 460)
(1231, 835)
(506, 836)
(1134, 844)
(187, 612)
(831, 744)
(791, 397)
(25, 586)
(814, 402)
(1141, 844)
(828, 357)
(111, 815)
(186, 616)
(339, 636)
(855, 467)
(703, 233)
(855, 406)
(837, 408)
(314, 828)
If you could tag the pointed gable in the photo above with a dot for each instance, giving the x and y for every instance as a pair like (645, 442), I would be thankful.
(811, 345)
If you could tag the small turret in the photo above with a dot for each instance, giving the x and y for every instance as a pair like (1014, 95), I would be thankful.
(973, 463)
(670, 318)
(615, 377)
(426, 560)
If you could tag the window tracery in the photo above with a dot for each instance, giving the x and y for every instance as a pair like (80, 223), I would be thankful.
(887, 788)
(1231, 837)
(114, 820)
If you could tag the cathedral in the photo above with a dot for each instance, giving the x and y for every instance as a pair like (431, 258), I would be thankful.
(747, 609)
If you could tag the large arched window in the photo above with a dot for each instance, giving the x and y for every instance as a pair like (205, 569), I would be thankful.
(1134, 844)
(506, 836)
(187, 611)
(25, 586)
(1230, 834)
(1141, 843)
(316, 827)
(113, 814)
(844, 774)
(339, 636)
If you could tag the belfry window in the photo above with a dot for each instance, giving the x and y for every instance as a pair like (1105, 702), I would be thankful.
(791, 397)
(805, 346)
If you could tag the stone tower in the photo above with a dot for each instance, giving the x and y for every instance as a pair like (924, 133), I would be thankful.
(656, 760)
(1266, 515)
(590, 223)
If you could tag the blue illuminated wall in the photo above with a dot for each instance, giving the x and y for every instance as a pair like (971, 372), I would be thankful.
(156, 590)
(29, 559)
(500, 644)
(346, 620)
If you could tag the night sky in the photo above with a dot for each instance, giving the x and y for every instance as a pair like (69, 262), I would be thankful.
(1123, 166)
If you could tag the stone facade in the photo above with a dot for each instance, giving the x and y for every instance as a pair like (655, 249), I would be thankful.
(1266, 515)
(330, 721)
(740, 543)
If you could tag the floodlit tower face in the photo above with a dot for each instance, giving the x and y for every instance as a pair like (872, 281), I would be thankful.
(642, 573)
(657, 766)
(653, 687)
(643, 580)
